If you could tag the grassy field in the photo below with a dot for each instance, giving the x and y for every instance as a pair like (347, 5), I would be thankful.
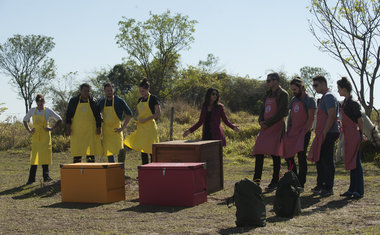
(37, 209)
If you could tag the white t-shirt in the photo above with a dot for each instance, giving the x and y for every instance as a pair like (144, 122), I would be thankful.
(49, 114)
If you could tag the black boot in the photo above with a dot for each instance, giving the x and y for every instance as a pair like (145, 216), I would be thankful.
(45, 173)
(32, 174)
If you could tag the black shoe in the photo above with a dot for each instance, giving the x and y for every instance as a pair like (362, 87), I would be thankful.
(346, 194)
(326, 192)
(29, 182)
(356, 195)
(47, 179)
(316, 190)
(271, 187)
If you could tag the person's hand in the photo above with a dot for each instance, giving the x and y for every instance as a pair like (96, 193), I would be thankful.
(48, 128)
(31, 131)
(236, 128)
(142, 120)
(186, 133)
(324, 136)
(98, 130)
(118, 130)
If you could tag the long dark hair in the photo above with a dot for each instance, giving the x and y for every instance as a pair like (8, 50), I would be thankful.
(208, 97)
(344, 83)
(144, 84)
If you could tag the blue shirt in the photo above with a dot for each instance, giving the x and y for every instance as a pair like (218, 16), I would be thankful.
(327, 102)
(121, 108)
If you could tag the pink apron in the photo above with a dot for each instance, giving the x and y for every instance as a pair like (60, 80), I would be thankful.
(294, 138)
(269, 140)
(315, 150)
(351, 141)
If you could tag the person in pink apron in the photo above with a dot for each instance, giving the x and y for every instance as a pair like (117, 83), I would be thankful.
(83, 125)
(116, 116)
(211, 115)
(41, 153)
(352, 123)
(271, 119)
(326, 133)
(296, 139)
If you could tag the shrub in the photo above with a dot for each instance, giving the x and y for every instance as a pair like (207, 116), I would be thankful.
(60, 143)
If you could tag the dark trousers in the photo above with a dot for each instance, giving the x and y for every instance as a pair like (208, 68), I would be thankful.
(259, 168)
(357, 178)
(120, 156)
(326, 165)
(145, 158)
(90, 158)
(33, 170)
(301, 161)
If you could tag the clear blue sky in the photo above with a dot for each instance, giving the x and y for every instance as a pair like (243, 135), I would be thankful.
(250, 37)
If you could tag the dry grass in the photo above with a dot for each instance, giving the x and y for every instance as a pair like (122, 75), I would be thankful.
(37, 209)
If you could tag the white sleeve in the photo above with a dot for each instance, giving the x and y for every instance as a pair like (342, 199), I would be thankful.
(49, 113)
(29, 115)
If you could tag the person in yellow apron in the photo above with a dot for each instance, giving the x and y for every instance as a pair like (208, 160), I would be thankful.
(41, 153)
(83, 125)
(148, 109)
(114, 110)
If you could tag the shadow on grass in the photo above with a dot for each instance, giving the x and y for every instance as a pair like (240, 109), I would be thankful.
(336, 204)
(43, 191)
(153, 209)
(13, 190)
(236, 230)
(73, 205)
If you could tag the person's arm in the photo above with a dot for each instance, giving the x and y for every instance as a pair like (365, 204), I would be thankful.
(310, 119)
(26, 120)
(282, 110)
(157, 114)
(225, 119)
(331, 113)
(69, 115)
(198, 124)
(124, 110)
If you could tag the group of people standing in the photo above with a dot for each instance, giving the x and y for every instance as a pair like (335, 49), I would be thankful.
(285, 141)
(96, 128)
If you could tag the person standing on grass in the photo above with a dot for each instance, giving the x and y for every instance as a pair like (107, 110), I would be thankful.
(352, 123)
(114, 110)
(41, 153)
(83, 125)
(326, 133)
(211, 115)
(271, 120)
(148, 109)
(296, 139)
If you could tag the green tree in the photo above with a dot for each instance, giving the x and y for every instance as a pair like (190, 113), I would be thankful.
(349, 30)
(24, 59)
(155, 45)
(2, 109)
(307, 73)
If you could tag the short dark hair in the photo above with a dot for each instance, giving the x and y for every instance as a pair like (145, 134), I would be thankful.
(40, 97)
(84, 85)
(274, 76)
(344, 83)
(144, 83)
(297, 82)
(108, 84)
(320, 79)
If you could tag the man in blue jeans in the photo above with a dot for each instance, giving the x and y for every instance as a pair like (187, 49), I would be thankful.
(326, 133)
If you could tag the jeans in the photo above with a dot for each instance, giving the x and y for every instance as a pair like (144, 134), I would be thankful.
(33, 170)
(145, 159)
(259, 168)
(326, 165)
(357, 178)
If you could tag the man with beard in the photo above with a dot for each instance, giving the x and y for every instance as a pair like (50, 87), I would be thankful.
(114, 110)
(296, 139)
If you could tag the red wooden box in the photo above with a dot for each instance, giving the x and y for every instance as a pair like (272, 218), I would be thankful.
(172, 184)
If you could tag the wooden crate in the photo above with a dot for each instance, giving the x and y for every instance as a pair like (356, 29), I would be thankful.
(209, 151)
(92, 182)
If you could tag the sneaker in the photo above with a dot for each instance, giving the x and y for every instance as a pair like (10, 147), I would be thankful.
(346, 194)
(47, 179)
(356, 195)
(271, 187)
(316, 190)
(326, 192)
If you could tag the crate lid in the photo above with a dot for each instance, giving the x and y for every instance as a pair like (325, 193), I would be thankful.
(187, 142)
(98, 165)
(173, 165)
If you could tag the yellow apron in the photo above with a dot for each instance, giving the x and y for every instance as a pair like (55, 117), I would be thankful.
(83, 139)
(146, 133)
(112, 141)
(41, 153)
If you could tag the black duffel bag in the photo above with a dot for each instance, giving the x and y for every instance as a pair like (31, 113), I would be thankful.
(250, 207)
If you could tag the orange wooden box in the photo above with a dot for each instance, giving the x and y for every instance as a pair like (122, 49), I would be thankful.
(92, 182)
(209, 151)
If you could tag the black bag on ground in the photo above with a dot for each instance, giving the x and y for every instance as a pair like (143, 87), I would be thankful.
(287, 202)
(250, 207)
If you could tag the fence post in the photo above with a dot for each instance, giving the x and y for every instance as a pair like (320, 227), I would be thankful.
(171, 123)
